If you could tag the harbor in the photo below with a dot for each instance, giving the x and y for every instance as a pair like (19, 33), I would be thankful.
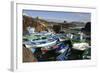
(46, 40)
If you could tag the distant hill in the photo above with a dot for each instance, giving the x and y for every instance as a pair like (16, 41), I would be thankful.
(29, 21)
(79, 24)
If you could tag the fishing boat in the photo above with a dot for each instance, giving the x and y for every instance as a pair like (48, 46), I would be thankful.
(39, 40)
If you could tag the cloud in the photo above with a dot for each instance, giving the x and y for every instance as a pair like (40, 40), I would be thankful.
(25, 14)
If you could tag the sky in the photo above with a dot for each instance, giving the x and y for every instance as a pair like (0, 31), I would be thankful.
(59, 16)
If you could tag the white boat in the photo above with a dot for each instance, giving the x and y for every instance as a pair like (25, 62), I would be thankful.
(35, 44)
